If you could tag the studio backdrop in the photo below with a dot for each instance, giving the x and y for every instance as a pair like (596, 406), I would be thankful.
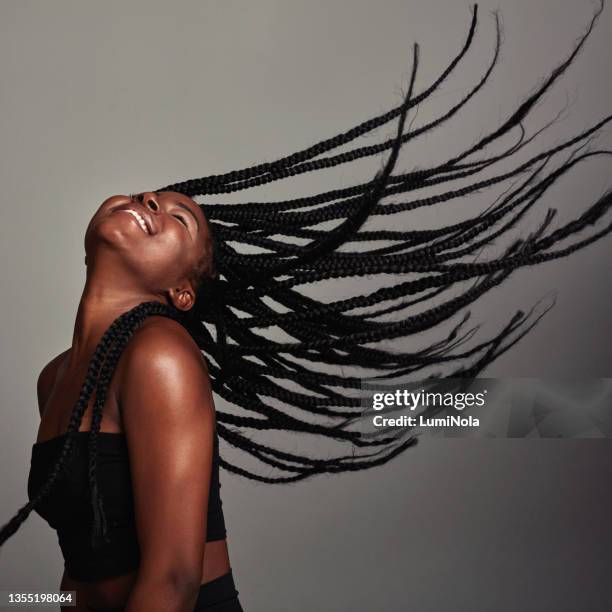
(102, 98)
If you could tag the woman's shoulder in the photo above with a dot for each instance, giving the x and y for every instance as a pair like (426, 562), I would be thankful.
(161, 339)
(162, 365)
(158, 331)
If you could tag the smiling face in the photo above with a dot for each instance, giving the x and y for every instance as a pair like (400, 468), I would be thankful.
(155, 242)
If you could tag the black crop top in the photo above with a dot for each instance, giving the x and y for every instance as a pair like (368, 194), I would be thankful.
(67, 507)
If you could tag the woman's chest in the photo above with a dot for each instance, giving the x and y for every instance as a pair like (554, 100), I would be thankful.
(65, 405)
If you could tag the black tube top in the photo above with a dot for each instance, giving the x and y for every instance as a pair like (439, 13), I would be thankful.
(67, 506)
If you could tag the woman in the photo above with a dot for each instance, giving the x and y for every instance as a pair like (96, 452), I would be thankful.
(169, 279)
(158, 405)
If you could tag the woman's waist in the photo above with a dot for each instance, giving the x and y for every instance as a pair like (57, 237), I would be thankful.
(113, 591)
(219, 589)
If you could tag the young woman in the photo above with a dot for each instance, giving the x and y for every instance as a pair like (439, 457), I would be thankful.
(126, 463)
(159, 421)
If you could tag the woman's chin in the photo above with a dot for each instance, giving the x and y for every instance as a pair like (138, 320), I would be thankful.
(122, 233)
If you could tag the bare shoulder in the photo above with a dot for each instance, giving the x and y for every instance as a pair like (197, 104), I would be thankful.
(158, 339)
(162, 361)
(46, 379)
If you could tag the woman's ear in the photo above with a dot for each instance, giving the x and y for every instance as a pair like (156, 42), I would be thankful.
(183, 297)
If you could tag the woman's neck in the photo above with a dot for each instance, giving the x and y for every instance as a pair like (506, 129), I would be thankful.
(100, 304)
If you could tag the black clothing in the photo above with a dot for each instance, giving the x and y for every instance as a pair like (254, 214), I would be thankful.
(217, 595)
(67, 507)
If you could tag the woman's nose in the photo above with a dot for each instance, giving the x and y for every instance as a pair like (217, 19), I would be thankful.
(149, 199)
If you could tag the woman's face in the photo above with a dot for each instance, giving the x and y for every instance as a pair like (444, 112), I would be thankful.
(149, 241)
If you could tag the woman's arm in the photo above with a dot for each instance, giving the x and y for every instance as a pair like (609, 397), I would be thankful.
(168, 417)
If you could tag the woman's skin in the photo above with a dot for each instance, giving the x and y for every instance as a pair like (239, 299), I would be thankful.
(159, 397)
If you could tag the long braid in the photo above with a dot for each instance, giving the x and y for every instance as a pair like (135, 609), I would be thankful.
(133, 319)
(207, 183)
(117, 332)
(75, 421)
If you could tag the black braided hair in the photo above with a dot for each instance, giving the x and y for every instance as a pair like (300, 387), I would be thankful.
(136, 318)
(253, 372)
(99, 372)
(292, 386)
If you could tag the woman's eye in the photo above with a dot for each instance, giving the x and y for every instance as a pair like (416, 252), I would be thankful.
(181, 220)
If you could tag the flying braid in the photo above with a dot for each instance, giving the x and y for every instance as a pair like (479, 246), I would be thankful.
(305, 383)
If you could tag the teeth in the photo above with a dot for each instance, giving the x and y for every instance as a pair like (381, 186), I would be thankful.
(140, 220)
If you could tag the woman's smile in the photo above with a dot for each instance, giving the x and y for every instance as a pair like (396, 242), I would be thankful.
(142, 216)
(138, 218)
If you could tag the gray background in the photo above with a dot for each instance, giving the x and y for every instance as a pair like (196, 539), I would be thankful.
(114, 97)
